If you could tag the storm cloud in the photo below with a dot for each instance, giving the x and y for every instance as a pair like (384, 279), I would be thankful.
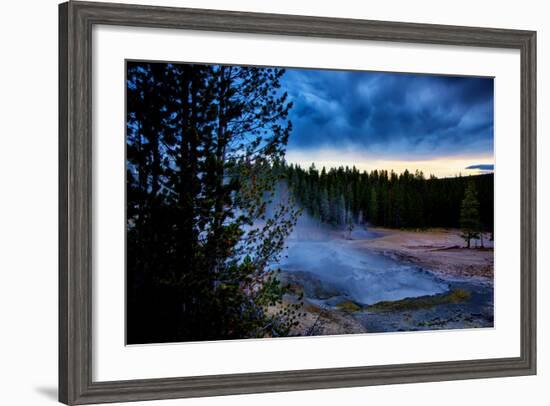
(482, 167)
(405, 116)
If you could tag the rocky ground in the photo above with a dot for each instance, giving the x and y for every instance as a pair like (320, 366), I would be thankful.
(467, 304)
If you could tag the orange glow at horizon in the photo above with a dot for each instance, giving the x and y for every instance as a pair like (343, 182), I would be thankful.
(441, 167)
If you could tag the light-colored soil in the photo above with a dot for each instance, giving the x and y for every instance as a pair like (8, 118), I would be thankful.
(319, 321)
(316, 320)
(441, 250)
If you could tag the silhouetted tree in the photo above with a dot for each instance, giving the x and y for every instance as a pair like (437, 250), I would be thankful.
(202, 145)
(469, 215)
(388, 199)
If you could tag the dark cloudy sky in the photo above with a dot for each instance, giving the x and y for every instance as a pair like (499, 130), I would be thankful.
(438, 124)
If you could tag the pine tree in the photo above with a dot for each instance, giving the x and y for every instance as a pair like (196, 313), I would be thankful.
(389, 200)
(204, 143)
(373, 207)
(469, 215)
(324, 207)
(350, 226)
(342, 212)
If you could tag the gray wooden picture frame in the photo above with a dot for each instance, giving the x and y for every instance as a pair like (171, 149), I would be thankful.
(76, 20)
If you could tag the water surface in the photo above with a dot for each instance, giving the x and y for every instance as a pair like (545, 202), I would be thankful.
(337, 269)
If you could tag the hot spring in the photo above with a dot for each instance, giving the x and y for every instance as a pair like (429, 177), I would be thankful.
(334, 268)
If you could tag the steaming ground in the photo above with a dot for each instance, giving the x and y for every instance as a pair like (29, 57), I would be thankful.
(360, 275)
(378, 280)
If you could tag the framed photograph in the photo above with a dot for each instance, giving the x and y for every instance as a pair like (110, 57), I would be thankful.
(258, 202)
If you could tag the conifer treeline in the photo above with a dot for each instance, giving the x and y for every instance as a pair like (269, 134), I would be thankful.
(346, 195)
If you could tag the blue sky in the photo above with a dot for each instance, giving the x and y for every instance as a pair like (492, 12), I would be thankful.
(439, 124)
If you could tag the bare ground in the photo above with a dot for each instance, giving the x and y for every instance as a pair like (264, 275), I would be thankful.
(319, 321)
(441, 250)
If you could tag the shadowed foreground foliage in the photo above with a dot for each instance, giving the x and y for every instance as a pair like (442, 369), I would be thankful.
(201, 141)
